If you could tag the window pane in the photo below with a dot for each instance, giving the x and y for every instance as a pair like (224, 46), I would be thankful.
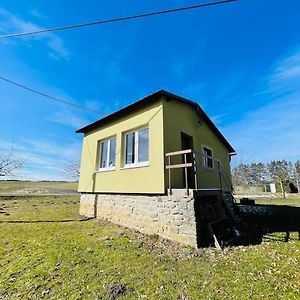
(207, 152)
(129, 159)
(112, 153)
(143, 145)
(103, 151)
(208, 162)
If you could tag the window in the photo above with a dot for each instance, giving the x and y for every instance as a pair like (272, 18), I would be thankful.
(137, 147)
(208, 160)
(107, 154)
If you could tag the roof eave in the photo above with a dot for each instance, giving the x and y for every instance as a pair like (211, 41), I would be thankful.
(143, 101)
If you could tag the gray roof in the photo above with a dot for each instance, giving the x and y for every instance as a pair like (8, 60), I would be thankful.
(153, 97)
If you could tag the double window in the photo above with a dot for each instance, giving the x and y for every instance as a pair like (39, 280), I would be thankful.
(107, 156)
(207, 158)
(137, 148)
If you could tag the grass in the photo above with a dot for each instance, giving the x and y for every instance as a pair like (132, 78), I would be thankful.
(291, 201)
(31, 186)
(83, 259)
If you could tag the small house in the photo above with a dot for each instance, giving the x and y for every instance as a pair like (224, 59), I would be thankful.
(150, 165)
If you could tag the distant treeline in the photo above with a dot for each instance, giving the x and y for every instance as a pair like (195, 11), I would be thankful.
(282, 172)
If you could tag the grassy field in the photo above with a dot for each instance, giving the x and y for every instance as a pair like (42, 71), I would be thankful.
(36, 187)
(292, 201)
(66, 257)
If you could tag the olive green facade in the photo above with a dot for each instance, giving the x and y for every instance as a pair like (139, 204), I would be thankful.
(167, 121)
(147, 179)
(181, 119)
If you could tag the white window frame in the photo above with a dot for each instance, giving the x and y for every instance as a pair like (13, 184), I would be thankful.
(205, 158)
(106, 168)
(136, 163)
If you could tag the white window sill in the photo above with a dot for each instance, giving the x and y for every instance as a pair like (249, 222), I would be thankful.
(138, 165)
(109, 169)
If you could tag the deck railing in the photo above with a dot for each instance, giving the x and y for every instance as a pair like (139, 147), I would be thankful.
(184, 165)
(192, 163)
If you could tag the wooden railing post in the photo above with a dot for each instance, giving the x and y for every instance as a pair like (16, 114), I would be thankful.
(184, 165)
(170, 188)
(186, 175)
(224, 179)
(220, 178)
(195, 171)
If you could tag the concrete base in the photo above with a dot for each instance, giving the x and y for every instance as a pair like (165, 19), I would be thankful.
(171, 217)
(88, 205)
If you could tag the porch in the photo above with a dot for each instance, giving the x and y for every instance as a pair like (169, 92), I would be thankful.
(215, 208)
(190, 163)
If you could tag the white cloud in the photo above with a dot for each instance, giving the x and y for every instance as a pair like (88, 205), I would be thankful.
(62, 151)
(288, 69)
(273, 131)
(217, 119)
(69, 119)
(10, 23)
(37, 14)
(43, 158)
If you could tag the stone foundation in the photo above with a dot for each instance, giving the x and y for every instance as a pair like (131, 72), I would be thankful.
(171, 217)
(88, 205)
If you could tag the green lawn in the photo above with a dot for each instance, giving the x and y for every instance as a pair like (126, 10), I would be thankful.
(34, 186)
(82, 259)
(291, 201)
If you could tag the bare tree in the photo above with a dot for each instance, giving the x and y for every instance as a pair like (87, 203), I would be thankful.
(72, 169)
(240, 174)
(9, 163)
(258, 173)
(297, 167)
(281, 171)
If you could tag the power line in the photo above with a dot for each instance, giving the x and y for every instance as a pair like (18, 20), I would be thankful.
(48, 96)
(138, 16)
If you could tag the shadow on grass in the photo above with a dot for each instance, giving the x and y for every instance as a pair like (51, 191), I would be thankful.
(45, 221)
(263, 220)
(241, 224)
(276, 238)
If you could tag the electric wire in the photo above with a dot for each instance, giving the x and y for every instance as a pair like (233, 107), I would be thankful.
(120, 19)
(48, 96)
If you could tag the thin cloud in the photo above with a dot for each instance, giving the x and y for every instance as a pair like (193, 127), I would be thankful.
(217, 119)
(68, 150)
(12, 23)
(43, 159)
(34, 12)
(288, 69)
(273, 131)
(69, 119)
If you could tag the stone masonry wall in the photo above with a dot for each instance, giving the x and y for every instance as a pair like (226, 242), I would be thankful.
(172, 217)
(88, 205)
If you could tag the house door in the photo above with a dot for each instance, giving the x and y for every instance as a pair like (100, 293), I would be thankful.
(187, 143)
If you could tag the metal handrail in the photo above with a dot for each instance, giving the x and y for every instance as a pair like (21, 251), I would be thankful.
(221, 169)
(194, 165)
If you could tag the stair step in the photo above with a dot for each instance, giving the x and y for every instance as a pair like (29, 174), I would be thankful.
(228, 200)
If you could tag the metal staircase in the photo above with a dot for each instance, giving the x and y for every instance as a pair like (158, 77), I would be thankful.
(230, 205)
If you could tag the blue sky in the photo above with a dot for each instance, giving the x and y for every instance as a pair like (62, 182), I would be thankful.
(240, 62)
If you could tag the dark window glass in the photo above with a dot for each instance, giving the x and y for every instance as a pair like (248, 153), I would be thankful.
(103, 151)
(112, 153)
(208, 161)
(130, 145)
(143, 145)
